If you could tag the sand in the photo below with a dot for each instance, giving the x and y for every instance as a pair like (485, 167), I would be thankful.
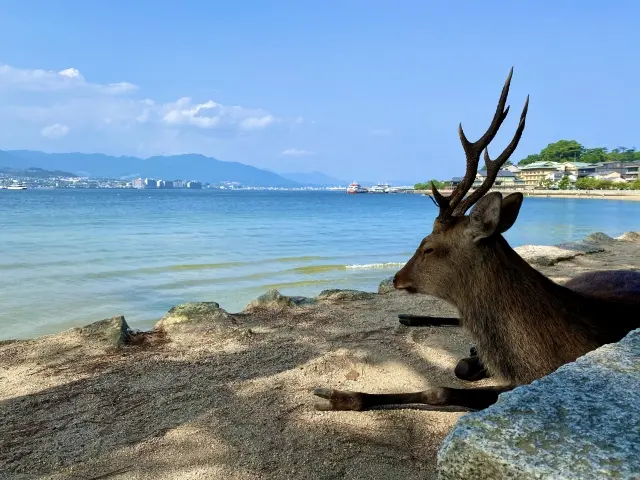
(222, 395)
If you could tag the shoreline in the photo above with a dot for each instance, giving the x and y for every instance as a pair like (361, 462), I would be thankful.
(630, 195)
(213, 394)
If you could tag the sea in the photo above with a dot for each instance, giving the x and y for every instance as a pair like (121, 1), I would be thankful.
(72, 257)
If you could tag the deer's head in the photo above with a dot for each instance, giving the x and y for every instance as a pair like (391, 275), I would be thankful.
(459, 247)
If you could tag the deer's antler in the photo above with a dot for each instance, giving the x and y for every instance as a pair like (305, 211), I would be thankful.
(456, 204)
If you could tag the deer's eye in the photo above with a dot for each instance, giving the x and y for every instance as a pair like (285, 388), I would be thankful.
(427, 251)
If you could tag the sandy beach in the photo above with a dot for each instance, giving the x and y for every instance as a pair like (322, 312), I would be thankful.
(213, 394)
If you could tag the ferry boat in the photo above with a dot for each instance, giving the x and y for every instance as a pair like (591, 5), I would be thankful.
(17, 186)
(355, 187)
(380, 188)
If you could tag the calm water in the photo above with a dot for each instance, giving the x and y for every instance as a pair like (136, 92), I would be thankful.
(68, 258)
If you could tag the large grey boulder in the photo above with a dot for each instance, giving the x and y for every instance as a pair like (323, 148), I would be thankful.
(580, 422)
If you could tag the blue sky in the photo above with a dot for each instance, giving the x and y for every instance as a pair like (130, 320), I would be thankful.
(354, 89)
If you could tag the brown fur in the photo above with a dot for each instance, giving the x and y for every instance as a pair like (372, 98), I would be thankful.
(524, 324)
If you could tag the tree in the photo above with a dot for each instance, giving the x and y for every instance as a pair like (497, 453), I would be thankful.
(562, 151)
(530, 159)
(564, 183)
(622, 154)
(546, 183)
(594, 155)
(427, 185)
(586, 183)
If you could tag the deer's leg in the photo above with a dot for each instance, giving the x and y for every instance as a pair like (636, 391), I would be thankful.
(471, 368)
(473, 398)
(426, 321)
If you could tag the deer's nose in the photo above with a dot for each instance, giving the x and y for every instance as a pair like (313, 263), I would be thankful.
(399, 283)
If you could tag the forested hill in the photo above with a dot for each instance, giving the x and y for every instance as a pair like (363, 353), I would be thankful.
(572, 151)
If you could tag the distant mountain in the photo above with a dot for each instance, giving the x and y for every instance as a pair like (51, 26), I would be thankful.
(314, 179)
(186, 167)
(35, 172)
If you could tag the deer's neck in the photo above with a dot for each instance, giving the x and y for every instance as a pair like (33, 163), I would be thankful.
(525, 325)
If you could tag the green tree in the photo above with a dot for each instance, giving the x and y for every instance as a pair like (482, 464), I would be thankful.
(546, 183)
(427, 185)
(562, 151)
(622, 154)
(594, 155)
(564, 183)
(586, 183)
(530, 159)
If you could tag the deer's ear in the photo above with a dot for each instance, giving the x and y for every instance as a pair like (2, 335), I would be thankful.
(509, 211)
(484, 217)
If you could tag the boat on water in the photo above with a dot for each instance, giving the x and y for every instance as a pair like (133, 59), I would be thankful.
(17, 186)
(355, 187)
(380, 188)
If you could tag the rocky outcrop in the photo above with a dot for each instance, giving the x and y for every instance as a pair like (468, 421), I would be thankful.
(550, 255)
(633, 237)
(192, 313)
(112, 331)
(582, 421)
(274, 300)
(386, 286)
(336, 295)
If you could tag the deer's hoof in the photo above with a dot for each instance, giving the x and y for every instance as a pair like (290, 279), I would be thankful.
(338, 400)
(470, 369)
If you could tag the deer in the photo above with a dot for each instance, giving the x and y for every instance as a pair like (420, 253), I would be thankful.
(525, 326)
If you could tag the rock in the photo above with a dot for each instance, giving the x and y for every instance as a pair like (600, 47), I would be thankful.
(546, 255)
(386, 286)
(581, 421)
(192, 313)
(345, 295)
(113, 331)
(273, 299)
(582, 246)
(599, 237)
(633, 237)
(299, 300)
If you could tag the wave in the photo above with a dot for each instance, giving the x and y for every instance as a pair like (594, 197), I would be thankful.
(369, 266)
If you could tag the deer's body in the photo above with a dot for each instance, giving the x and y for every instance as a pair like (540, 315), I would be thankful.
(525, 325)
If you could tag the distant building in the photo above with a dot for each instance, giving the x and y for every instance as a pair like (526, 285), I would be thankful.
(160, 184)
(194, 185)
(137, 183)
(150, 183)
(627, 170)
(168, 184)
(610, 175)
(534, 173)
(179, 184)
(505, 178)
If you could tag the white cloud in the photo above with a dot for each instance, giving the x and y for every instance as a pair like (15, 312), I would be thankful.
(380, 132)
(296, 152)
(36, 103)
(57, 130)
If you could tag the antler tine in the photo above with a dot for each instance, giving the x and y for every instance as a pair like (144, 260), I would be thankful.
(473, 152)
(493, 166)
